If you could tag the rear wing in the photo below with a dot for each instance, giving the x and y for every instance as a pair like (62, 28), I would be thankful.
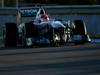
(26, 12)
(32, 12)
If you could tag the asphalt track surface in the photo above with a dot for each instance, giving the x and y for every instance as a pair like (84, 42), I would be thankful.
(65, 60)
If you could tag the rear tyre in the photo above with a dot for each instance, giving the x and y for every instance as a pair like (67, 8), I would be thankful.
(10, 35)
(28, 32)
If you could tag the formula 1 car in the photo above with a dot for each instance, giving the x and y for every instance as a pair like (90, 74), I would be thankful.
(43, 30)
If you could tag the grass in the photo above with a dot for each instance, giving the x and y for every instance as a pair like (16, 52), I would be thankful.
(96, 36)
(1, 33)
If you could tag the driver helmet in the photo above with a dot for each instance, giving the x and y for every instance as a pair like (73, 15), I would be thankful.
(45, 16)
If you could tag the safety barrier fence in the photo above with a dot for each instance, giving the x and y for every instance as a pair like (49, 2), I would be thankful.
(89, 13)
